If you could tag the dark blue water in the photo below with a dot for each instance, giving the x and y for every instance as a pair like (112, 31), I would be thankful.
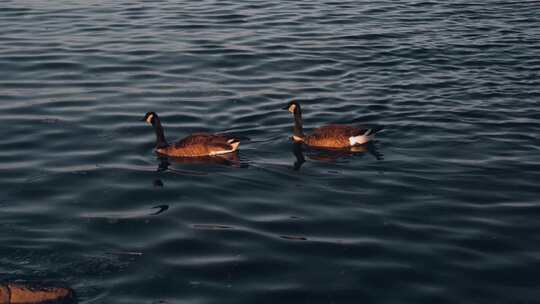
(445, 211)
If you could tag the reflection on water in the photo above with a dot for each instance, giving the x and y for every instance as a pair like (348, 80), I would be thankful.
(298, 152)
(161, 209)
(332, 155)
(133, 214)
(171, 164)
(211, 226)
(158, 183)
(293, 237)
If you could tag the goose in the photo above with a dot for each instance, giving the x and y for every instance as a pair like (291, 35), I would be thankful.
(194, 145)
(330, 136)
(30, 293)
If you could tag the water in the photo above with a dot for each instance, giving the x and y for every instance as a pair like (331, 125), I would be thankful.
(448, 215)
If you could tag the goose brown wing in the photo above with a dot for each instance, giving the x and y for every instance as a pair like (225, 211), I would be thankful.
(198, 139)
(337, 130)
(333, 136)
(198, 144)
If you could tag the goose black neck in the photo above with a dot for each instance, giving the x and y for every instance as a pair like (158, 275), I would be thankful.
(161, 142)
(298, 130)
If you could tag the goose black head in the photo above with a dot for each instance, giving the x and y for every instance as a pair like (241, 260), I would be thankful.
(150, 117)
(292, 106)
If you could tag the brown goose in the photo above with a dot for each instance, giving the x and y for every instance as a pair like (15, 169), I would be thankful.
(195, 145)
(22, 293)
(329, 136)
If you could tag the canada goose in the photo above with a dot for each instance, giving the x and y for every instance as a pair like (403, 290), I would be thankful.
(195, 145)
(22, 293)
(329, 136)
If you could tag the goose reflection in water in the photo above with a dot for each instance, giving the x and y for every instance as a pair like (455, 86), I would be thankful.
(229, 159)
(330, 155)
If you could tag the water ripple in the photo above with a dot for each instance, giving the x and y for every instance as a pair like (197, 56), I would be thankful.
(441, 209)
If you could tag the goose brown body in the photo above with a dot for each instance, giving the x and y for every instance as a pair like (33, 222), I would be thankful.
(11, 293)
(195, 145)
(200, 144)
(332, 136)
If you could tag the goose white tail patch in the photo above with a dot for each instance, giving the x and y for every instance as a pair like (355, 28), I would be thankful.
(361, 139)
(234, 146)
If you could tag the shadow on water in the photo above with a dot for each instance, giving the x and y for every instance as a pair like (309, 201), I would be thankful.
(331, 155)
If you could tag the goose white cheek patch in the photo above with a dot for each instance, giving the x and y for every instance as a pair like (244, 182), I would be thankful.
(296, 138)
(149, 119)
(291, 108)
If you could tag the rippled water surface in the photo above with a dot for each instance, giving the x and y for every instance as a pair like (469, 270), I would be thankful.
(443, 208)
